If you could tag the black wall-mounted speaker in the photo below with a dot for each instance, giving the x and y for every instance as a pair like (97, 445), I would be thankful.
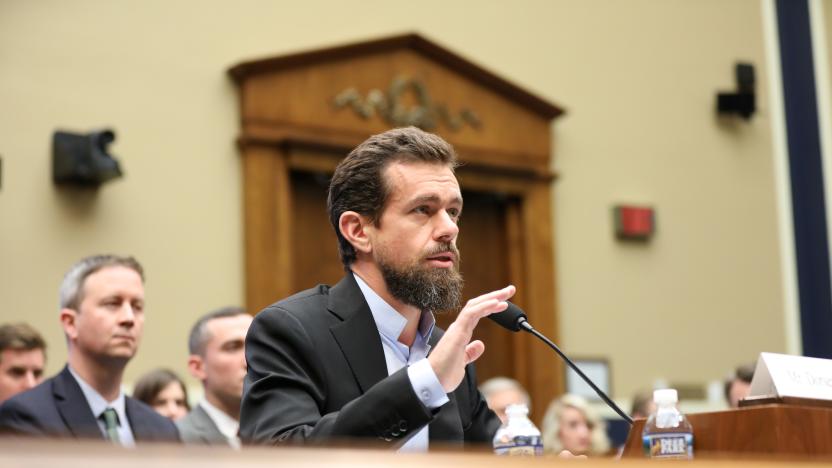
(82, 159)
(742, 102)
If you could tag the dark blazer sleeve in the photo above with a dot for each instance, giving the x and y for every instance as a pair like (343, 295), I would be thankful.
(287, 391)
(15, 418)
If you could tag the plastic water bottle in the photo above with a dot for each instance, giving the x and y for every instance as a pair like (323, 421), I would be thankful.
(518, 436)
(667, 433)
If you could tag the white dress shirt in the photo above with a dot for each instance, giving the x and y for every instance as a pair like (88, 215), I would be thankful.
(425, 383)
(98, 404)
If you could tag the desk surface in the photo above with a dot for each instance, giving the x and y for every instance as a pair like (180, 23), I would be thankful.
(16, 453)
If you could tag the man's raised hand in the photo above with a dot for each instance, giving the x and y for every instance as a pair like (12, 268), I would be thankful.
(455, 350)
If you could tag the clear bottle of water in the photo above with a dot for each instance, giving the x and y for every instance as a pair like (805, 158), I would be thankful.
(667, 433)
(518, 436)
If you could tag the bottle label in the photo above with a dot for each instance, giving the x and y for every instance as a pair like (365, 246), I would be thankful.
(669, 445)
(519, 445)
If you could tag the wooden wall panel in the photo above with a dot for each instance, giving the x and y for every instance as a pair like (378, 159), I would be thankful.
(267, 217)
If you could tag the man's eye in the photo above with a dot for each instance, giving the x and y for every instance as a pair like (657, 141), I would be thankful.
(422, 209)
(234, 346)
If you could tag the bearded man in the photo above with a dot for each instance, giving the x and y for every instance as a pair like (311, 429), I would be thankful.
(362, 359)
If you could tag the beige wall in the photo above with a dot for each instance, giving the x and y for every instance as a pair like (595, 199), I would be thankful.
(638, 79)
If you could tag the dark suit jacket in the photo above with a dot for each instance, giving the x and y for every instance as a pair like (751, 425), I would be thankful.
(57, 408)
(198, 428)
(316, 372)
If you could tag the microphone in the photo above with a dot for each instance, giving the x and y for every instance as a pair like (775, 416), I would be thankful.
(514, 319)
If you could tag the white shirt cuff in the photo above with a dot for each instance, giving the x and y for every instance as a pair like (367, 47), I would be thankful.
(426, 384)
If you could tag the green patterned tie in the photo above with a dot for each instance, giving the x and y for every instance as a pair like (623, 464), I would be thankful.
(111, 424)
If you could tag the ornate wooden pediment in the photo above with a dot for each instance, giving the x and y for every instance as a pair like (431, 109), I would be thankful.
(346, 93)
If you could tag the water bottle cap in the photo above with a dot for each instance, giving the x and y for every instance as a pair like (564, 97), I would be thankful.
(665, 396)
(518, 409)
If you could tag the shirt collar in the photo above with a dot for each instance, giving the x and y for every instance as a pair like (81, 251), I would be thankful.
(98, 403)
(390, 323)
(227, 425)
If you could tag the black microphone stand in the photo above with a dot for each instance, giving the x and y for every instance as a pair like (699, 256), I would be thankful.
(525, 325)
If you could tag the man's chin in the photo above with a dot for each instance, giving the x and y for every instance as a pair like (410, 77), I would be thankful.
(121, 354)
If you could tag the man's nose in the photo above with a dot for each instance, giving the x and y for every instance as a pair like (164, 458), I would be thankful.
(30, 380)
(447, 228)
(128, 315)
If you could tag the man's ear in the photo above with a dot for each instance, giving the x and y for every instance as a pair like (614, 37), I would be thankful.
(68, 319)
(196, 366)
(353, 227)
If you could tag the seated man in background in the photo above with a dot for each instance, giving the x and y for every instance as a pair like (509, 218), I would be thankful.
(739, 386)
(643, 404)
(22, 358)
(217, 347)
(102, 314)
(499, 392)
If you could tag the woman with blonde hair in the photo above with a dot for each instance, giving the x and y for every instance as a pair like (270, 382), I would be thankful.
(571, 424)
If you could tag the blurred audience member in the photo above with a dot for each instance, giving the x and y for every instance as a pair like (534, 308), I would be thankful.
(571, 424)
(165, 392)
(102, 314)
(217, 347)
(643, 404)
(739, 386)
(22, 358)
(499, 392)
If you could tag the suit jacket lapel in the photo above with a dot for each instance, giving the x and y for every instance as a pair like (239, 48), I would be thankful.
(357, 334)
(73, 407)
(205, 426)
(141, 430)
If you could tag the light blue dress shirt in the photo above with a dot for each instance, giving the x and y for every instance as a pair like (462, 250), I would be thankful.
(98, 404)
(425, 383)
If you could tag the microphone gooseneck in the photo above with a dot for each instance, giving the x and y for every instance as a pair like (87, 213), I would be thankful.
(514, 319)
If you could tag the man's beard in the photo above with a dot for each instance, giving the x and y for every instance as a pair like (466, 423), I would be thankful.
(434, 289)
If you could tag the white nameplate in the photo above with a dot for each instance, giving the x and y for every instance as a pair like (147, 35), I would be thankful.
(783, 375)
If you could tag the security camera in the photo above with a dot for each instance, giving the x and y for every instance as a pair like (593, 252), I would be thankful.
(743, 101)
(82, 159)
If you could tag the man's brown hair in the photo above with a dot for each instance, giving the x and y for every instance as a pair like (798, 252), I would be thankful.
(20, 337)
(359, 184)
(199, 336)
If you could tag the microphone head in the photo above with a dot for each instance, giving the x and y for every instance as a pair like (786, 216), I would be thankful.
(511, 318)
